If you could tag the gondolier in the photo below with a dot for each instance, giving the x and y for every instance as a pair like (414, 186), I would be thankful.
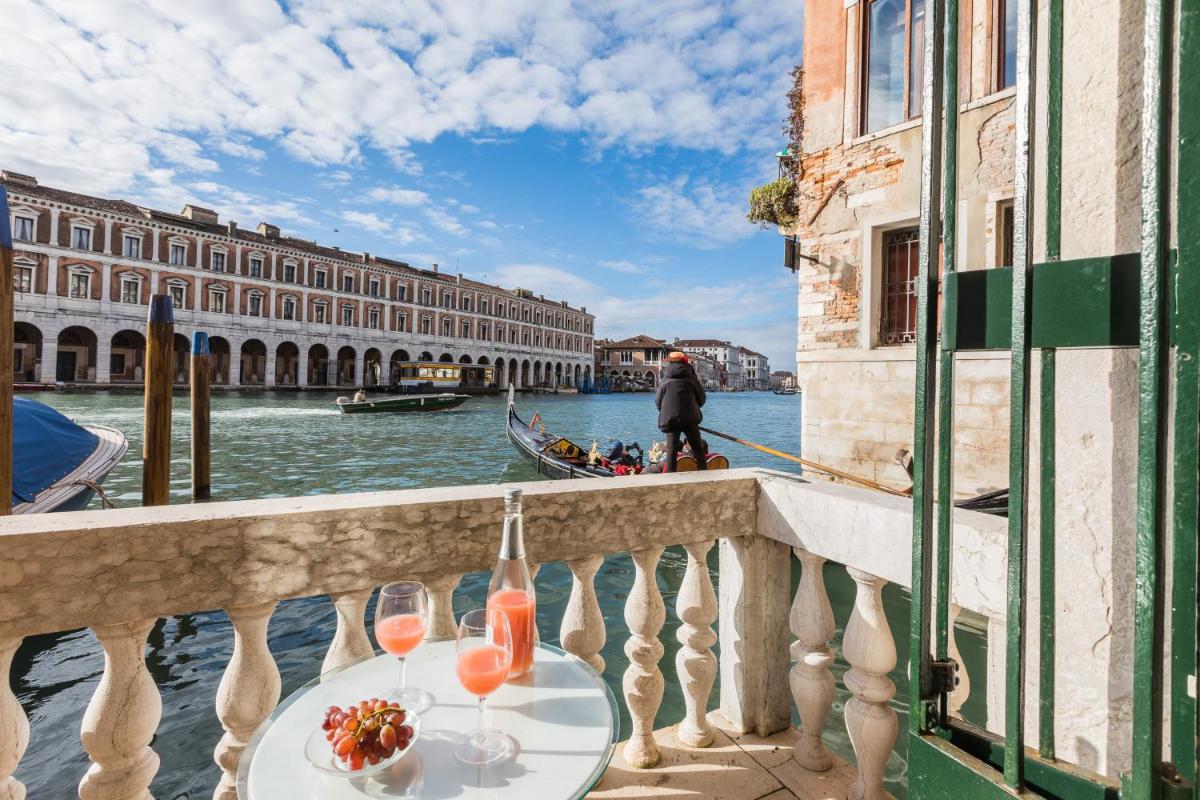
(679, 398)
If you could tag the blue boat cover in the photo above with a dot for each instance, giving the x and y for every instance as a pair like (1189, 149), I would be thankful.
(46, 447)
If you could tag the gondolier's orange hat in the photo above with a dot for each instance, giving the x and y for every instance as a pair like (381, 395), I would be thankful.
(676, 355)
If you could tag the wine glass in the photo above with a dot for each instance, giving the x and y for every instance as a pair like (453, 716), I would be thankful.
(484, 650)
(401, 619)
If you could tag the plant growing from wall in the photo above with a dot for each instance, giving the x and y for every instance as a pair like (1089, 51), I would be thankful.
(793, 123)
(773, 203)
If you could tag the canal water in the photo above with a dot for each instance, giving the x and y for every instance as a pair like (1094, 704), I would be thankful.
(288, 444)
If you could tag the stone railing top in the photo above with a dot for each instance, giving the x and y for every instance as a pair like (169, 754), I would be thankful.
(64, 571)
(872, 531)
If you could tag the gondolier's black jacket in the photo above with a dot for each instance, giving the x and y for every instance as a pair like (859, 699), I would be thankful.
(679, 397)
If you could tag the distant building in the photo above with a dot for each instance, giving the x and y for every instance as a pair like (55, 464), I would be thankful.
(707, 370)
(756, 372)
(782, 379)
(726, 358)
(631, 364)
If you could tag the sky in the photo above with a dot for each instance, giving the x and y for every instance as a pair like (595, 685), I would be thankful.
(599, 151)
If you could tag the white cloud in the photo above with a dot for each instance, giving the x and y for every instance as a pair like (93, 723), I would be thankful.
(398, 196)
(700, 213)
(373, 223)
(553, 282)
(324, 80)
(445, 221)
(488, 224)
(627, 267)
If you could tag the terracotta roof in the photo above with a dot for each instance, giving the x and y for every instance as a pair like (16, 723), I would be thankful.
(641, 340)
(701, 343)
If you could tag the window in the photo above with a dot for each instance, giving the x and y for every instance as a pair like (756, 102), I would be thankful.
(178, 295)
(255, 303)
(525, 338)
(483, 306)
(1004, 23)
(466, 303)
(289, 273)
(319, 313)
(1004, 214)
(347, 315)
(23, 279)
(426, 326)
(347, 283)
(23, 229)
(401, 292)
(512, 335)
(626, 356)
(447, 329)
(893, 44)
(466, 329)
(132, 246)
(401, 321)
(216, 301)
(130, 290)
(289, 308)
(81, 238)
(319, 279)
(217, 261)
(81, 284)
(898, 322)
(256, 265)
(426, 297)
(373, 319)
(483, 331)
(178, 254)
(374, 290)
(447, 300)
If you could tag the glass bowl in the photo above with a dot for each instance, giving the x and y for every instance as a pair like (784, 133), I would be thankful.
(319, 753)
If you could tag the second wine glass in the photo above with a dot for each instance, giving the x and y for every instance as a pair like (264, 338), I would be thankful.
(401, 619)
(485, 650)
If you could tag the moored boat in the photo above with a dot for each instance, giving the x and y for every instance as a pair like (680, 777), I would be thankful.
(57, 464)
(402, 403)
(554, 456)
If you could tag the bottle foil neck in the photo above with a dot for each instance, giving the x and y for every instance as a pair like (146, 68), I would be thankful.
(512, 546)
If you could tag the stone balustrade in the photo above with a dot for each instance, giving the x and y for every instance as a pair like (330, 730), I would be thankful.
(245, 557)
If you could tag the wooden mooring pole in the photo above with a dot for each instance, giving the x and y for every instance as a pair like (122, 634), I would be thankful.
(6, 357)
(156, 443)
(201, 442)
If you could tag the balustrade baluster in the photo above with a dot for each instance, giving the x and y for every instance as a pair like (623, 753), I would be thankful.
(248, 692)
(812, 683)
(582, 631)
(871, 653)
(963, 690)
(350, 640)
(14, 727)
(121, 717)
(695, 664)
(440, 592)
(643, 680)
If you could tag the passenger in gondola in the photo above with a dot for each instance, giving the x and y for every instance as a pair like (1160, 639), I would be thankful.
(360, 396)
(679, 398)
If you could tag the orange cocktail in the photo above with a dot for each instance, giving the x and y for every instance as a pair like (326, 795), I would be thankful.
(482, 670)
(518, 606)
(399, 634)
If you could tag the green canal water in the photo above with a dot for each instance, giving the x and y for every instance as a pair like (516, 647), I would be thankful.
(278, 445)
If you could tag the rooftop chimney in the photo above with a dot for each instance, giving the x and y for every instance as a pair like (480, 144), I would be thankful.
(268, 230)
(460, 279)
(435, 268)
(199, 214)
(232, 228)
(366, 257)
(583, 309)
(17, 177)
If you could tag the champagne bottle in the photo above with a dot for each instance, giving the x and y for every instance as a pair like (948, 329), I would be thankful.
(511, 589)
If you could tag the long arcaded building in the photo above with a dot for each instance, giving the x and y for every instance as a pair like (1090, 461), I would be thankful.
(279, 311)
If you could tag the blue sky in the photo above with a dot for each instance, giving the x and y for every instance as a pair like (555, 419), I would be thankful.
(599, 152)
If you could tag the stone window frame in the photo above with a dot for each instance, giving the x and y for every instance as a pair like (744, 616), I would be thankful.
(133, 235)
(871, 300)
(426, 325)
(426, 296)
(215, 292)
(347, 315)
(447, 299)
(258, 260)
(464, 329)
(294, 266)
(260, 296)
(218, 250)
(173, 243)
(24, 214)
(319, 308)
(373, 286)
(483, 330)
(997, 201)
(484, 306)
(372, 319)
(402, 292)
(448, 327)
(401, 320)
(320, 276)
(24, 267)
(80, 271)
(174, 284)
(81, 224)
(348, 282)
(133, 279)
(464, 302)
(284, 302)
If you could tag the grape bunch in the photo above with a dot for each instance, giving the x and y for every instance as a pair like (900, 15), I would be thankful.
(366, 733)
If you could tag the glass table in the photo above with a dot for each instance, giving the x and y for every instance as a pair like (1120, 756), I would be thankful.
(562, 716)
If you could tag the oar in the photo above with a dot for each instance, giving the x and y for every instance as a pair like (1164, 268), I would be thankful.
(837, 473)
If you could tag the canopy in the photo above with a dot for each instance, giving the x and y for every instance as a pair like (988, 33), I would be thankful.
(46, 447)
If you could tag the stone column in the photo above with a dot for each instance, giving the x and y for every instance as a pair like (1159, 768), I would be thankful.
(49, 365)
(52, 276)
(54, 238)
(154, 237)
(103, 357)
(106, 283)
(269, 377)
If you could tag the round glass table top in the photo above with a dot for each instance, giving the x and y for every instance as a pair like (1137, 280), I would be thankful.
(562, 716)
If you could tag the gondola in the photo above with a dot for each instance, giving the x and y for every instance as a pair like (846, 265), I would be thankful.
(555, 456)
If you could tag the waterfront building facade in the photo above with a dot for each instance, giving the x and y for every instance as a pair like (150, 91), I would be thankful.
(726, 356)
(632, 363)
(281, 312)
(782, 379)
(756, 370)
